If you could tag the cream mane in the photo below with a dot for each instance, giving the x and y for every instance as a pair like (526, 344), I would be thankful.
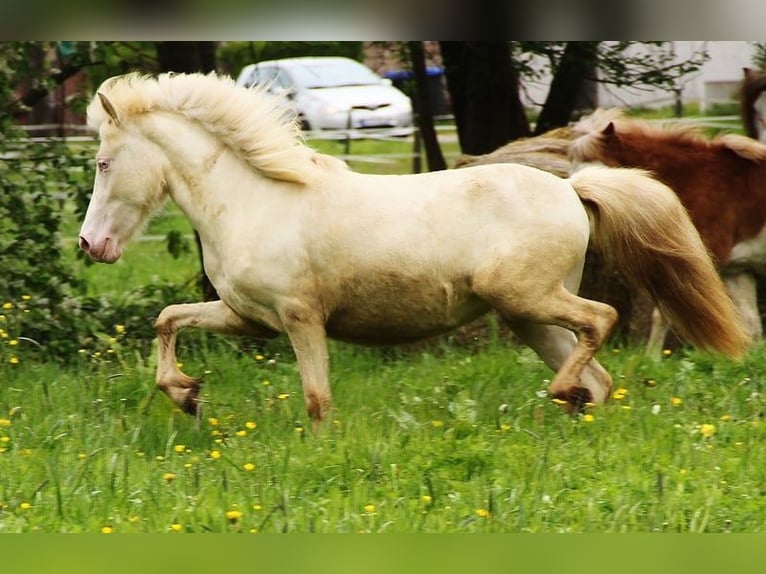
(590, 129)
(251, 122)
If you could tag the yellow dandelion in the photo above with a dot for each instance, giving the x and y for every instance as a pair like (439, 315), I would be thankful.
(5, 422)
(13, 342)
(259, 357)
(215, 454)
(437, 423)
(426, 499)
(179, 365)
(283, 396)
(257, 507)
(241, 433)
(159, 458)
(25, 506)
(369, 508)
(620, 394)
(168, 477)
(249, 466)
(266, 383)
(250, 425)
(119, 329)
(707, 430)
(14, 360)
(667, 352)
(175, 527)
(505, 427)
(676, 401)
(482, 513)
(299, 429)
(559, 401)
(133, 519)
(179, 448)
(26, 297)
(233, 515)
(106, 530)
(82, 456)
(213, 422)
(7, 306)
(588, 418)
(725, 418)
(626, 407)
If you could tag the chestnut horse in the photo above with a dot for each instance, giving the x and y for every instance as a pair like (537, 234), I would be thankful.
(721, 182)
(295, 242)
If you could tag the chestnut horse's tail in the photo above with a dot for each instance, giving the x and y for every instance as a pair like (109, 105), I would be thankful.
(644, 231)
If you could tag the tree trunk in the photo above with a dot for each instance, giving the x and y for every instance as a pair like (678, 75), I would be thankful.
(484, 89)
(190, 57)
(423, 111)
(569, 79)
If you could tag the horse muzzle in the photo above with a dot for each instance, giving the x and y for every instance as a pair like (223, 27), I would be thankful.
(105, 250)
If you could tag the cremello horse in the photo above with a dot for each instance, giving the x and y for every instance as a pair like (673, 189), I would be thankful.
(296, 243)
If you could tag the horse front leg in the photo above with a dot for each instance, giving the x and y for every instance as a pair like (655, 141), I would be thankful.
(309, 340)
(214, 316)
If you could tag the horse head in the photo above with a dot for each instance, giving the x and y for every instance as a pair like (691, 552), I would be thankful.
(129, 183)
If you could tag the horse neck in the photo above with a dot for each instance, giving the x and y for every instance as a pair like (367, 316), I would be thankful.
(198, 163)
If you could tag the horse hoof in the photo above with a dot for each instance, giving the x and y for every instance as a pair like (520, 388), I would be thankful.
(576, 399)
(191, 404)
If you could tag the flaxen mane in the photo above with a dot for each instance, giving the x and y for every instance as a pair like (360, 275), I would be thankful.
(592, 126)
(251, 122)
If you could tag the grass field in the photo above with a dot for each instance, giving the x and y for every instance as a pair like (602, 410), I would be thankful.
(443, 437)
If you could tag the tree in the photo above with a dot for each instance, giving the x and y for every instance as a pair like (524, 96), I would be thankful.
(484, 89)
(423, 111)
(484, 79)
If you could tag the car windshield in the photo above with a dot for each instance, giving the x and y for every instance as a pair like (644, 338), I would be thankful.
(332, 75)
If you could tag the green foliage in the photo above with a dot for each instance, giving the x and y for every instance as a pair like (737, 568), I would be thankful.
(41, 181)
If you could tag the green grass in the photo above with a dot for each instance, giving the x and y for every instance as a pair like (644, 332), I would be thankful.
(436, 439)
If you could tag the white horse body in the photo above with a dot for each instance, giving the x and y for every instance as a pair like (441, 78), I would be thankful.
(365, 258)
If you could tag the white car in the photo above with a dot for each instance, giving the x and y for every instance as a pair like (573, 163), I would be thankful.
(334, 93)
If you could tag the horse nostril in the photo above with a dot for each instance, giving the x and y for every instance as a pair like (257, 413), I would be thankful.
(84, 245)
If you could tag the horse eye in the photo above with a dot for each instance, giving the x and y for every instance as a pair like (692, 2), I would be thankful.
(102, 164)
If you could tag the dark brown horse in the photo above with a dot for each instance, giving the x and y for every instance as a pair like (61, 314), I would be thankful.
(720, 181)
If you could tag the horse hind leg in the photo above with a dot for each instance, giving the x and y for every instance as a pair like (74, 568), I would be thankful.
(554, 344)
(566, 331)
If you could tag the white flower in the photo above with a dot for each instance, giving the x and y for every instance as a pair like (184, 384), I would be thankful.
(656, 409)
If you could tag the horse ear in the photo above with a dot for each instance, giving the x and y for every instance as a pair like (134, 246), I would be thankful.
(609, 129)
(109, 108)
